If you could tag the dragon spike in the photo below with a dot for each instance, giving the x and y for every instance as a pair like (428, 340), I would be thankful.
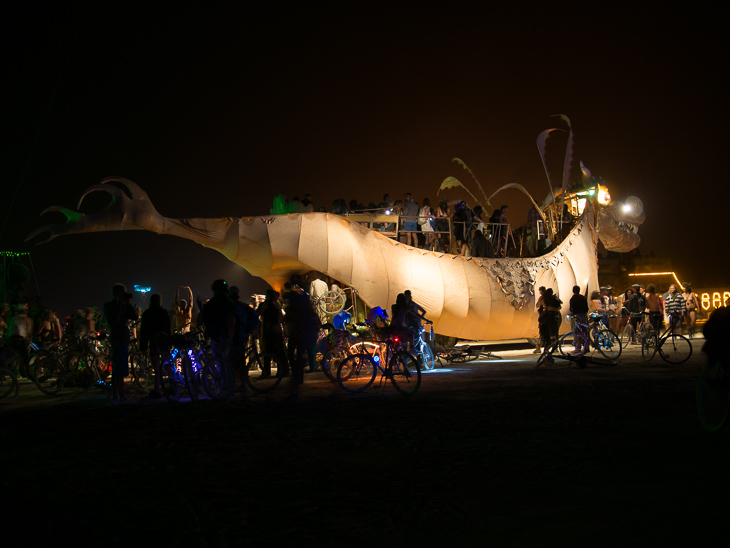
(130, 209)
(115, 192)
(54, 229)
(51, 229)
(133, 189)
(70, 215)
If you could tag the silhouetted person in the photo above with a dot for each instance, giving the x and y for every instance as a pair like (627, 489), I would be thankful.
(303, 325)
(117, 313)
(155, 326)
(246, 322)
(480, 246)
(219, 317)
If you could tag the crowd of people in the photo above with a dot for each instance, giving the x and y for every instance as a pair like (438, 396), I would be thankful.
(22, 323)
(449, 226)
(631, 307)
(674, 306)
(286, 325)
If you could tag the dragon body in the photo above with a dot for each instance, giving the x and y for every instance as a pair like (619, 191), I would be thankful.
(468, 298)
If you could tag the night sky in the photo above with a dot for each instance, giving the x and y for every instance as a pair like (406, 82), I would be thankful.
(215, 110)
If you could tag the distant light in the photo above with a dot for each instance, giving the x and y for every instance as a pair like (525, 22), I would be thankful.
(140, 289)
(672, 274)
(626, 208)
(387, 211)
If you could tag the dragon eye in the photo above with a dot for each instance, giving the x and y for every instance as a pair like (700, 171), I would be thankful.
(636, 207)
(603, 197)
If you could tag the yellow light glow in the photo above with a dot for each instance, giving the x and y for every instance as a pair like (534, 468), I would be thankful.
(716, 300)
(705, 301)
(581, 205)
(603, 196)
(725, 298)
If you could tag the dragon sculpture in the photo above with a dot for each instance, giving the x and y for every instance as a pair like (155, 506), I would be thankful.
(468, 298)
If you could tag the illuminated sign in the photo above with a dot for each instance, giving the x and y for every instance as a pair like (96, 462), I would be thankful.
(141, 289)
(710, 300)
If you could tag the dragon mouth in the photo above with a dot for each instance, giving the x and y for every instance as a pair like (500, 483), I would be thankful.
(624, 226)
(618, 228)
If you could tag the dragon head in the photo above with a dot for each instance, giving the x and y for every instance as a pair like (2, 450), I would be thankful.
(617, 223)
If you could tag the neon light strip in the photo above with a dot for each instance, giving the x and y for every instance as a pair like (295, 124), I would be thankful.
(660, 274)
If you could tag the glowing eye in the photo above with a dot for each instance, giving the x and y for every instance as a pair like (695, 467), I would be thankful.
(637, 207)
(626, 208)
(603, 197)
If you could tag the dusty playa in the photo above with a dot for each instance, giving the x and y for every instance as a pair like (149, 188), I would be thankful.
(490, 451)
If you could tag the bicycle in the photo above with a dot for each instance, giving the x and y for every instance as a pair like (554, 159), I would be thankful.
(357, 372)
(190, 367)
(672, 347)
(424, 354)
(630, 335)
(585, 336)
(74, 364)
(140, 366)
(333, 346)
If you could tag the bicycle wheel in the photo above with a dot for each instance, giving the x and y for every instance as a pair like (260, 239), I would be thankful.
(356, 372)
(648, 347)
(569, 344)
(331, 361)
(171, 381)
(627, 335)
(332, 302)
(219, 381)
(140, 369)
(8, 385)
(48, 374)
(405, 373)
(713, 396)
(425, 357)
(675, 349)
(265, 371)
(608, 344)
